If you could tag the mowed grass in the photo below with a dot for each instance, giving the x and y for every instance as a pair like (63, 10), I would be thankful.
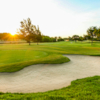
(14, 57)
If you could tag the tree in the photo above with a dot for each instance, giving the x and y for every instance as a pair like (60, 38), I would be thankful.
(46, 39)
(60, 39)
(53, 39)
(98, 34)
(81, 38)
(28, 30)
(92, 31)
(75, 37)
(38, 36)
(70, 38)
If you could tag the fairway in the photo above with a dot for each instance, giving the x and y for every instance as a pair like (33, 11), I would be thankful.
(44, 67)
(15, 57)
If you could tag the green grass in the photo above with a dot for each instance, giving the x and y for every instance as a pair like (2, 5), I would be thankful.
(14, 57)
(81, 89)
(13, 67)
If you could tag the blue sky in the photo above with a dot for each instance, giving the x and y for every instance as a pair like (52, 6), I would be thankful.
(54, 17)
(78, 5)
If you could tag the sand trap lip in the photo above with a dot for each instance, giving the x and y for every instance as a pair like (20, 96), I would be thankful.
(45, 77)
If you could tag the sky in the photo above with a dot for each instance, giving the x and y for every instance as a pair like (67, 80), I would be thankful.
(55, 17)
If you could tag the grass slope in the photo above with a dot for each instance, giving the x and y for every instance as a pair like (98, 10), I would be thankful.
(81, 89)
(13, 67)
(15, 60)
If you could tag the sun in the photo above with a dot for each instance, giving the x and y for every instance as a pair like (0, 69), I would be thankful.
(12, 33)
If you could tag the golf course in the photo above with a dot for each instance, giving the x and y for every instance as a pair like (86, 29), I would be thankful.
(50, 71)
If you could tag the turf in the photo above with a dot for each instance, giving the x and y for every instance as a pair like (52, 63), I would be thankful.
(22, 55)
(14, 57)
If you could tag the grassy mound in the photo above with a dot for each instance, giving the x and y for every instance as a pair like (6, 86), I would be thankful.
(15, 60)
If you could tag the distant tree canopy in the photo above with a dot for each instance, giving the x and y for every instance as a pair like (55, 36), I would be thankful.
(75, 37)
(92, 31)
(7, 37)
(81, 38)
(60, 39)
(70, 38)
(30, 32)
(86, 37)
(19, 36)
(48, 39)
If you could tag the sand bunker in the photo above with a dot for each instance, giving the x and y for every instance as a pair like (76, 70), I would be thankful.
(44, 77)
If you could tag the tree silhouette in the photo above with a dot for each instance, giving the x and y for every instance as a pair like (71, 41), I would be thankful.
(92, 31)
(29, 31)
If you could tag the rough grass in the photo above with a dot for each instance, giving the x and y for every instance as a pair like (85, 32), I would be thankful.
(81, 89)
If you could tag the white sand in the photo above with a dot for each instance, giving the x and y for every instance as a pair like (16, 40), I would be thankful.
(44, 77)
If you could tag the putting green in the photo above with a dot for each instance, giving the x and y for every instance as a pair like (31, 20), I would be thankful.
(16, 56)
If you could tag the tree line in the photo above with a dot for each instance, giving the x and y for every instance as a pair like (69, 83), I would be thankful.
(8, 37)
(29, 33)
(32, 33)
(93, 34)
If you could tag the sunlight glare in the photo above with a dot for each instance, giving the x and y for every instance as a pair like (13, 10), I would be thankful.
(12, 33)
